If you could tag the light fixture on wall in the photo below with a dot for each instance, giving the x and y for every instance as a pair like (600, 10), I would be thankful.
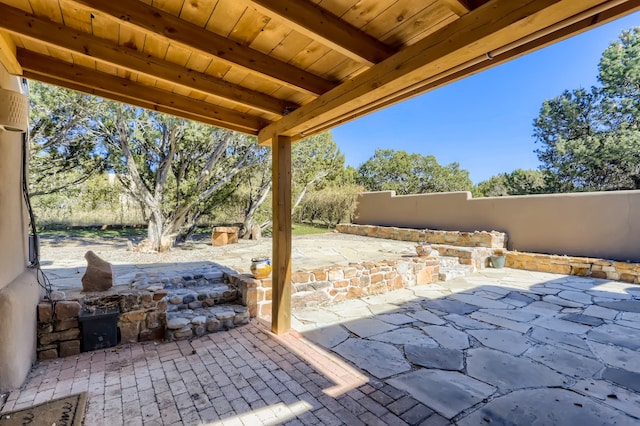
(14, 111)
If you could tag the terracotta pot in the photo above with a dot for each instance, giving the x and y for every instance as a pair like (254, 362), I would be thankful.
(260, 267)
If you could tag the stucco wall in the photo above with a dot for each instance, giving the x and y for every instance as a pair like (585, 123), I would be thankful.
(596, 224)
(19, 291)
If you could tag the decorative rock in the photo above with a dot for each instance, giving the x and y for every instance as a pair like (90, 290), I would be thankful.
(177, 323)
(46, 339)
(241, 318)
(57, 295)
(195, 304)
(44, 312)
(213, 325)
(200, 330)
(129, 331)
(99, 273)
(69, 348)
(47, 354)
(199, 320)
(66, 324)
(188, 298)
(226, 318)
(67, 309)
(184, 332)
(175, 300)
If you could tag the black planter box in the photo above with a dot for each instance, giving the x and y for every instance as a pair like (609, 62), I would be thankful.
(99, 329)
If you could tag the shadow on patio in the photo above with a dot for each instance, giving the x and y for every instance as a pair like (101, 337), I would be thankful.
(500, 346)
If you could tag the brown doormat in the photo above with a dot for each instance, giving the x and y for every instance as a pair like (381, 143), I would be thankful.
(66, 411)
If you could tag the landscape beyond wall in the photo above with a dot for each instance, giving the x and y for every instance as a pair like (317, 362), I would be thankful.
(592, 224)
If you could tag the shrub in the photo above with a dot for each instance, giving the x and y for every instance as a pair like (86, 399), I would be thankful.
(329, 206)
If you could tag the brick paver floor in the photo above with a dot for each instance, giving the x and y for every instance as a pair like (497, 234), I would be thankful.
(246, 376)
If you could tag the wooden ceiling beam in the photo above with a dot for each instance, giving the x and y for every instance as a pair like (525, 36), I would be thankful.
(478, 66)
(459, 7)
(152, 20)
(474, 34)
(50, 33)
(326, 28)
(39, 67)
(8, 54)
(123, 99)
(462, 7)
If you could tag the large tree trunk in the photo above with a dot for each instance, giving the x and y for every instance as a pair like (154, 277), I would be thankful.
(248, 223)
(157, 230)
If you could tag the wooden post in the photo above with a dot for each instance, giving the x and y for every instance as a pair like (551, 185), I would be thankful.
(281, 199)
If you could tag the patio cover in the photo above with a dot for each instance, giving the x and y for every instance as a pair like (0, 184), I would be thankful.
(280, 70)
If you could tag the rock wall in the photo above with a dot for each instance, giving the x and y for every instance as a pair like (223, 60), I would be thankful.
(142, 318)
(486, 239)
(337, 283)
(154, 307)
(571, 265)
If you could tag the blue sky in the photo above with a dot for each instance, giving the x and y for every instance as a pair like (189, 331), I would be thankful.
(484, 122)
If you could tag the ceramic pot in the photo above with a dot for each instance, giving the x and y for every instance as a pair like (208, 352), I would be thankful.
(423, 249)
(497, 261)
(260, 267)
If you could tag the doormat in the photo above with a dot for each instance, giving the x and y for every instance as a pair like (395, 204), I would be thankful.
(66, 411)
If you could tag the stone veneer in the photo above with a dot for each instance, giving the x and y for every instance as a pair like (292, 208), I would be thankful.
(476, 257)
(493, 239)
(142, 318)
(570, 265)
(145, 310)
(336, 283)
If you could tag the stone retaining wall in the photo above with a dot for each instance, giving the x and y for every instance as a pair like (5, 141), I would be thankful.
(570, 265)
(337, 283)
(142, 318)
(142, 309)
(477, 257)
(58, 331)
(491, 239)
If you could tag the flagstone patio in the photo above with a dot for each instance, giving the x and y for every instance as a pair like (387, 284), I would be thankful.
(497, 347)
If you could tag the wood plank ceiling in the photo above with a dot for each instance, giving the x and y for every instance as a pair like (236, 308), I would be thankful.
(275, 67)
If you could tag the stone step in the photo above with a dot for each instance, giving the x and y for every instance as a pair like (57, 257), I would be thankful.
(188, 323)
(200, 296)
(171, 279)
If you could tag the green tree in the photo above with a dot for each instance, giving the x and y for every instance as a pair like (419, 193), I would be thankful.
(518, 182)
(178, 170)
(495, 186)
(590, 138)
(64, 152)
(175, 169)
(405, 173)
(315, 161)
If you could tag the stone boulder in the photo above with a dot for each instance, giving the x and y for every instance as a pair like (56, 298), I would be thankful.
(99, 274)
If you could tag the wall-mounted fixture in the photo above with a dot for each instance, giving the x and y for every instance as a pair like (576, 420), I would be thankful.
(14, 111)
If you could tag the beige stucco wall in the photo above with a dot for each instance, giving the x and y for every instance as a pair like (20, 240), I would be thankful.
(597, 224)
(19, 291)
